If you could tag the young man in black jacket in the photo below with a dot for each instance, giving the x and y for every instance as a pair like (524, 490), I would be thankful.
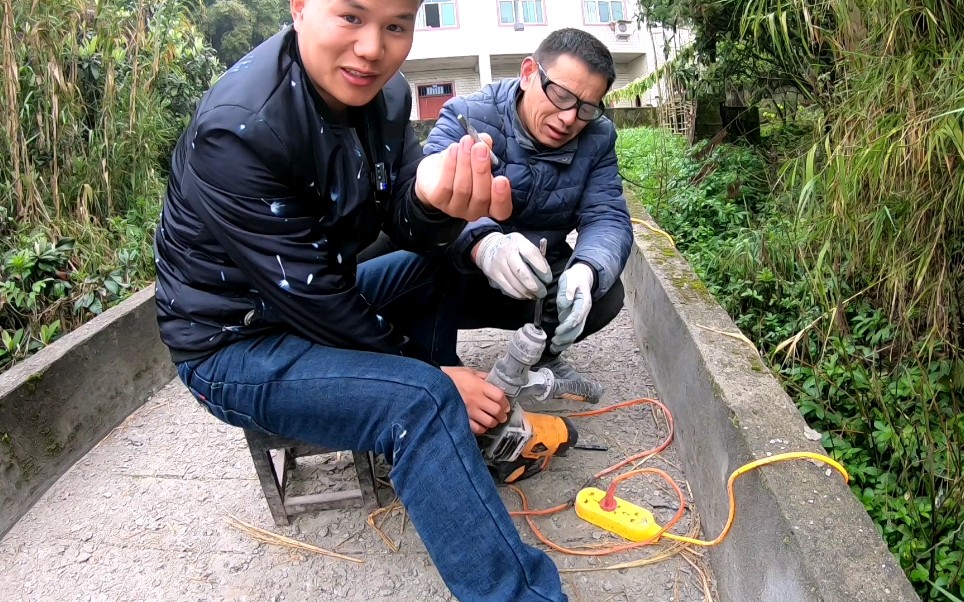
(294, 161)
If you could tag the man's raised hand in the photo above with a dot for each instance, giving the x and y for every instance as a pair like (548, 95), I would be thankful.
(458, 181)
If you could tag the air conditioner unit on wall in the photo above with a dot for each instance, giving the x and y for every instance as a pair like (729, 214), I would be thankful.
(621, 28)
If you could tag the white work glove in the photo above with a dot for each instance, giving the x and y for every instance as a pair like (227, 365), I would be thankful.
(573, 302)
(514, 265)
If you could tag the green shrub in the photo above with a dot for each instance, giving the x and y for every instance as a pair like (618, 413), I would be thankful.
(891, 414)
(92, 98)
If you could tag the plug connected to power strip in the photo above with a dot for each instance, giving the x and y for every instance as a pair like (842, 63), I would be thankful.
(625, 519)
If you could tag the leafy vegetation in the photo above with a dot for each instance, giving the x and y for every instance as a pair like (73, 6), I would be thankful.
(92, 98)
(723, 63)
(845, 263)
(717, 205)
(236, 26)
(894, 418)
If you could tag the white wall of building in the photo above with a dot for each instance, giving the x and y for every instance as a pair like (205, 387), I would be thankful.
(472, 48)
(505, 72)
(478, 31)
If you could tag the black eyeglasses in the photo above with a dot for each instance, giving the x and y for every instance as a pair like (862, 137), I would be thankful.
(564, 99)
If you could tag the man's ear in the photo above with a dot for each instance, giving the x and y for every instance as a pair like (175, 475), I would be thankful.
(528, 69)
(297, 6)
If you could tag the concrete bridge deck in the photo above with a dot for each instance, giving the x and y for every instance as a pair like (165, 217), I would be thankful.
(106, 497)
(144, 516)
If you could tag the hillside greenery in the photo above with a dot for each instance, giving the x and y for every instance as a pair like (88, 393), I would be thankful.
(234, 27)
(838, 247)
(92, 99)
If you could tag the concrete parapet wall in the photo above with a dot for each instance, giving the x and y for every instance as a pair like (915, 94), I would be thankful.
(56, 405)
(800, 534)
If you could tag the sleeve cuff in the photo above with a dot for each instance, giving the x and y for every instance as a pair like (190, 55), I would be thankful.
(595, 274)
(429, 214)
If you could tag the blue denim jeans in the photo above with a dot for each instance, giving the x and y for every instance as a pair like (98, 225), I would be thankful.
(397, 406)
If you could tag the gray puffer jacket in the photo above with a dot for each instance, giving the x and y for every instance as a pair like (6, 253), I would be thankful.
(553, 190)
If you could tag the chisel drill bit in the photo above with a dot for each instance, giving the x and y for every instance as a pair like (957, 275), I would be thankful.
(537, 318)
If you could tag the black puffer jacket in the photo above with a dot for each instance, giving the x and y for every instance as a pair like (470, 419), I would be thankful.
(269, 201)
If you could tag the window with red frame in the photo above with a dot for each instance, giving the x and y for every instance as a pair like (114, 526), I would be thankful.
(533, 12)
(436, 13)
(603, 11)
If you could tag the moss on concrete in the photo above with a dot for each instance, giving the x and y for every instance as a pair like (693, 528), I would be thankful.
(717, 390)
(691, 288)
(33, 381)
(53, 446)
(28, 468)
(26, 465)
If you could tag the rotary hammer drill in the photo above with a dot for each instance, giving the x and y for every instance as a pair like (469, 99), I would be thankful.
(523, 445)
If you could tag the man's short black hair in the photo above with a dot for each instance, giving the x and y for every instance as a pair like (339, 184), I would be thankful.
(582, 45)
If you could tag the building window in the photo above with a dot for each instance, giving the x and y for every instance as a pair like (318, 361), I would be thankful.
(436, 13)
(532, 12)
(603, 11)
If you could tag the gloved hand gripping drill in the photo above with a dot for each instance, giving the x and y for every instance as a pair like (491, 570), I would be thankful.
(542, 384)
(523, 445)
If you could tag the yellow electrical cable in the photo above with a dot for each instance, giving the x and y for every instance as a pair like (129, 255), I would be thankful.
(745, 469)
(636, 220)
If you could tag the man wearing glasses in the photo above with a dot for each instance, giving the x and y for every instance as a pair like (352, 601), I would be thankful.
(558, 152)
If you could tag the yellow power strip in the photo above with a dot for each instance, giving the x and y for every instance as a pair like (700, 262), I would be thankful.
(628, 520)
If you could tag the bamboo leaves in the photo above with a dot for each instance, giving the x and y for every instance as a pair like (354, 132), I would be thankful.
(92, 97)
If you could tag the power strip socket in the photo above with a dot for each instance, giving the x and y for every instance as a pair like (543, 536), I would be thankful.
(627, 520)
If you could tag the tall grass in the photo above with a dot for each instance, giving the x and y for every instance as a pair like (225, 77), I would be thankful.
(92, 96)
(881, 212)
(883, 184)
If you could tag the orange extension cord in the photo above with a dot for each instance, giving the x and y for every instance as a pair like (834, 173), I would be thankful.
(603, 549)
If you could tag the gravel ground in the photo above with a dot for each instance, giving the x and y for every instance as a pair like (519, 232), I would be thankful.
(144, 516)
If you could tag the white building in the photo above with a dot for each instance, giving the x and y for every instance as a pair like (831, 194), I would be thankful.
(461, 45)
